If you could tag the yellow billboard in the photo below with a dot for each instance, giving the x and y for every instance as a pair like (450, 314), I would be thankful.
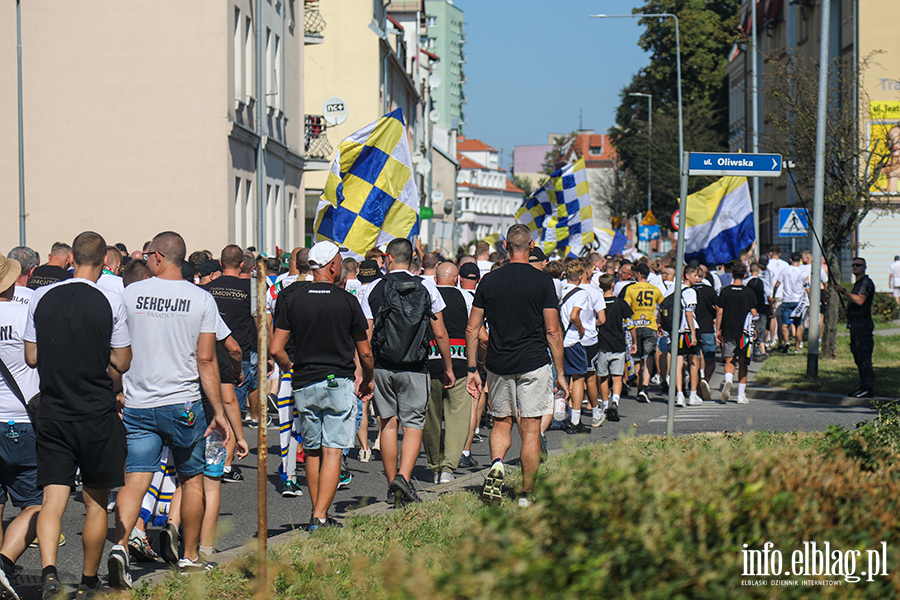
(884, 145)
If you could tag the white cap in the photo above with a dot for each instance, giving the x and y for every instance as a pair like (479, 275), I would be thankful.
(323, 253)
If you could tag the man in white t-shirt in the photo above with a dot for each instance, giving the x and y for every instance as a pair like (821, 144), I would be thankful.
(576, 305)
(28, 259)
(793, 282)
(593, 318)
(482, 257)
(894, 278)
(173, 326)
(688, 342)
(109, 278)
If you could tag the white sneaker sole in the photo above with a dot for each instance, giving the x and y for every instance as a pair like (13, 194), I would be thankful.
(726, 391)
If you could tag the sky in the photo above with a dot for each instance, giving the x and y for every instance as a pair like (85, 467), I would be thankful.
(533, 65)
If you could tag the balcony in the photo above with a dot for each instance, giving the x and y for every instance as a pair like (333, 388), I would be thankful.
(313, 23)
(316, 142)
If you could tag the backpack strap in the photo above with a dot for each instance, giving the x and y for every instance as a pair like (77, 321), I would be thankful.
(11, 382)
(569, 295)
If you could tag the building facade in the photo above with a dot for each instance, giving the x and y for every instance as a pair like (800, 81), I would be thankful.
(486, 199)
(445, 36)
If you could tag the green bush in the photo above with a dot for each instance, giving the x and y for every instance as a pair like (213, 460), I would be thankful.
(884, 307)
(872, 443)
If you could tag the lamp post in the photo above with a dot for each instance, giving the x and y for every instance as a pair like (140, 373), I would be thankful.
(21, 141)
(649, 98)
(679, 264)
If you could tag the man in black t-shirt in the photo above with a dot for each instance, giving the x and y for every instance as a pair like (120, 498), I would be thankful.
(705, 317)
(859, 318)
(232, 295)
(735, 329)
(450, 406)
(521, 305)
(56, 268)
(328, 330)
(610, 362)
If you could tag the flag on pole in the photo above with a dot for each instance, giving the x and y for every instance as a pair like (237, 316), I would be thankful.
(719, 222)
(370, 197)
(559, 212)
(609, 242)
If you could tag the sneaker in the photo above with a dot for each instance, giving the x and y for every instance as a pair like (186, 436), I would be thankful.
(655, 379)
(50, 587)
(6, 588)
(377, 444)
(62, 542)
(477, 439)
(345, 479)
(315, 524)
(141, 550)
(365, 455)
(88, 592)
(612, 413)
(273, 403)
(168, 543)
(557, 426)
(245, 417)
(345, 462)
(576, 429)
(186, 565)
(861, 393)
(492, 493)
(598, 421)
(111, 502)
(625, 390)
(391, 496)
(705, 392)
(119, 569)
(643, 397)
(403, 492)
(694, 399)
(467, 462)
(253, 423)
(544, 452)
(526, 499)
(232, 476)
(291, 489)
(446, 477)
(742, 399)
(726, 391)
(664, 389)
(679, 399)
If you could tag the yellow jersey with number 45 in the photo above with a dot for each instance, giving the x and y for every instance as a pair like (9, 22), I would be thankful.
(643, 297)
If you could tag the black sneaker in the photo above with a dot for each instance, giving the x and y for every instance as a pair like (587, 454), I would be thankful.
(168, 543)
(403, 492)
(50, 587)
(232, 476)
(467, 462)
(345, 479)
(612, 413)
(315, 524)
(119, 568)
(576, 429)
(6, 588)
(89, 592)
(391, 496)
(291, 489)
(557, 425)
(863, 394)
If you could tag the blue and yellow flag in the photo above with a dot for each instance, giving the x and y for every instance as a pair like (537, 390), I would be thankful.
(559, 213)
(370, 197)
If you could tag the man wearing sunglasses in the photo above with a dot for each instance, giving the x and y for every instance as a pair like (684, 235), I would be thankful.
(859, 321)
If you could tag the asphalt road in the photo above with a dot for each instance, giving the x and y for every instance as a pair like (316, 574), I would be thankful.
(239, 500)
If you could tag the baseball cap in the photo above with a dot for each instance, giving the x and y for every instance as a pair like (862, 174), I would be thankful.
(10, 270)
(208, 267)
(323, 253)
(536, 255)
(470, 271)
(642, 269)
(368, 271)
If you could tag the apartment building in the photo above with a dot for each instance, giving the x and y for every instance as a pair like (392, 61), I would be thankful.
(445, 36)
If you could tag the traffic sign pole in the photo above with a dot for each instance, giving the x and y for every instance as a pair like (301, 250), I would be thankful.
(676, 304)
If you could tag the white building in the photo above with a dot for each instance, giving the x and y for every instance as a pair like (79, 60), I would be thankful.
(487, 199)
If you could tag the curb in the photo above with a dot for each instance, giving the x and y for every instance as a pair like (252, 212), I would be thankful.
(760, 392)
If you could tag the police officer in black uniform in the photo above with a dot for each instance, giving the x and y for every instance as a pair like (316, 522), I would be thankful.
(859, 320)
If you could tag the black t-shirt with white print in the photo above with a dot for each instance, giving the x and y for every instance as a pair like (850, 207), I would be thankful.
(456, 316)
(611, 334)
(47, 275)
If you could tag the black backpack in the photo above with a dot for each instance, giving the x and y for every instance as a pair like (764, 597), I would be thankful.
(402, 328)
(667, 312)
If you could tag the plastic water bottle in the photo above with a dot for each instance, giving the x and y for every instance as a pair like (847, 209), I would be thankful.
(559, 406)
(12, 431)
(215, 454)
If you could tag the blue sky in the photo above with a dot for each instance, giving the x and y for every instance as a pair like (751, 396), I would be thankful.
(532, 65)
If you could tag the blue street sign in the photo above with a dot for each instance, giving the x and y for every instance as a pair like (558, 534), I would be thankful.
(648, 232)
(793, 222)
(738, 165)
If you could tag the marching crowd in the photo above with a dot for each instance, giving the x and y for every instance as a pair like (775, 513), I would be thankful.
(136, 372)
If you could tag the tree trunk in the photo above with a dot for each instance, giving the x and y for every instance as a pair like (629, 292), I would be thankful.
(832, 309)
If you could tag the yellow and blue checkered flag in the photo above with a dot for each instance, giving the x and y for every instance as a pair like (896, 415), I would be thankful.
(559, 212)
(370, 197)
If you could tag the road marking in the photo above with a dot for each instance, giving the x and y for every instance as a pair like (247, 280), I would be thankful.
(704, 412)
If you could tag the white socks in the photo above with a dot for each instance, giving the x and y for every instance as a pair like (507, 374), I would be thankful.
(742, 387)
(575, 416)
(595, 412)
(729, 377)
(615, 399)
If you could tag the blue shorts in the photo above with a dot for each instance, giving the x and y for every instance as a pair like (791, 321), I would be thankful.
(327, 415)
(708, 345)
(663, 343)
(147, 429)
(18, 467)
(575, 360)
(251, 380)
(786, 309)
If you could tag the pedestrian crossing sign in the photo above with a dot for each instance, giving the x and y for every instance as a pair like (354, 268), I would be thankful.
(793, 222)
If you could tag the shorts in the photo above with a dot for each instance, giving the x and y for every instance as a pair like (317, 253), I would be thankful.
(574, 361)
(731, 349)
(610, 363)
(18, 467)
(528, 395)
(708, 345)
(786, 309)
(592, 351)
(683, 343)
(401, 394)
(327, 414)
(761, 329)
(896, 292)
(149, 428)
(663, 342)
(96, 446)
(251, 380)
(645, 338)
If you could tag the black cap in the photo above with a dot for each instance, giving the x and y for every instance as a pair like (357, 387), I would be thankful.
(368, 271)
(536, 255)
(187, 271)
(208, 267)
(642, 269)
(470, 271)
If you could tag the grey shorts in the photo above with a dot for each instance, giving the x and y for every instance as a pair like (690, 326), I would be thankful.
(327, 414)
(645, 338)
(402, 394)
(523, 394)
(730, 349)
(610, 363)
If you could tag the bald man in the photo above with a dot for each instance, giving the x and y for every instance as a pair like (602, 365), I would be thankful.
(452, 406)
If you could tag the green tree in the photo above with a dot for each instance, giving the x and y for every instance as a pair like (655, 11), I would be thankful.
(523, 183)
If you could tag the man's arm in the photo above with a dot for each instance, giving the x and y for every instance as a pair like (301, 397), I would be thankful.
(276, 349)
(233, 415)
(576, 321)
(555, 341)
(858, 299)
(719, 324)
(367, 363)
(473, 331)
(209, 379)
(31, 354)
(234, 353)
(442, 338)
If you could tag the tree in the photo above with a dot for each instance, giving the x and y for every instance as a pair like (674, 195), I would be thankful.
(523, 183)
(853, 161)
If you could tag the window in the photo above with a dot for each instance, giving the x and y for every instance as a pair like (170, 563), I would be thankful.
(238, 210)
(278, 233)
(249, 43)
(596, 150)
(292, 218)
(249, 211)
(270, 222)
(276, 66)
(269, 60)
(238, 55)
(431, 21)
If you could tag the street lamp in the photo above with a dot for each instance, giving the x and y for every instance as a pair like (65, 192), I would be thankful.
(649, 98)
(21, 142)
(679, 264)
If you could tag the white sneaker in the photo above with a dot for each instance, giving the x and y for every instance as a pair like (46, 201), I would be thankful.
(643, 397)
(679, 399)
(726, 391)
(694, 399)
(446, 477)
(655, 379)
(742, 399)
(705, 392)
(598, 421)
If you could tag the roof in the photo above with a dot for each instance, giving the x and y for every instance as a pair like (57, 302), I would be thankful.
(467, 163)
(511, 187)
(586, 143)
(472, 145)
(394, 22)
(430, 55)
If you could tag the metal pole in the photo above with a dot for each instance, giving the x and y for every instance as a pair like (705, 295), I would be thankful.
(262, 444)
(650, 149)
(815, 293)
(21, 129)
(261, 107)
(754, 107)
(676, 304)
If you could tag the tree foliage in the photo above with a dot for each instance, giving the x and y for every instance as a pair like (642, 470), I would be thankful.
(523, 183)
(853, 162)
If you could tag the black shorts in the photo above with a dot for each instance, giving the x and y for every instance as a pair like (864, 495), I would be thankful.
(592, 351)
(97, 446)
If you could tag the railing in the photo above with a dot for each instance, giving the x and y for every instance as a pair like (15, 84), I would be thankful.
(316, 143)
(313, 23)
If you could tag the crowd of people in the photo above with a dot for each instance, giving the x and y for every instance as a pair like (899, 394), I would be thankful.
(140, 371)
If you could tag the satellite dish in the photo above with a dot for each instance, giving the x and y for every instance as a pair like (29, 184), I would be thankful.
(424, 167)
(437, 195)
(417, 157)
(434, 81)
(334, 111)
(434, 116)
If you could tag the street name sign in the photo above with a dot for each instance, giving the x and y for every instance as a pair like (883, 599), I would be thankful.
(736, 165)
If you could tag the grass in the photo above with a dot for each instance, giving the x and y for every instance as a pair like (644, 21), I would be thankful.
(839, 375)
